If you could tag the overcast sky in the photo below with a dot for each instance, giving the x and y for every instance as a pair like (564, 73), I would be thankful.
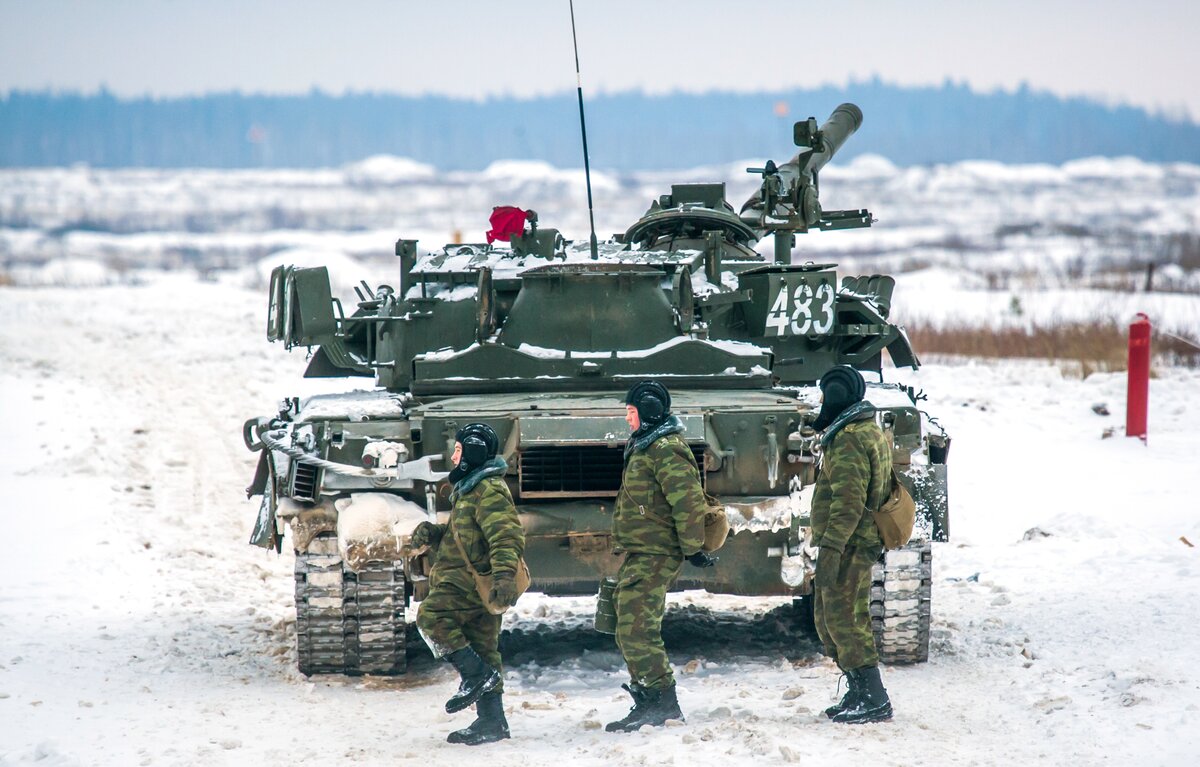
(1142, 53)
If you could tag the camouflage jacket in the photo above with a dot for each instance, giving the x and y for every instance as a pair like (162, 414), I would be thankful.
(660, 508)
(853, 482)
(490, 530)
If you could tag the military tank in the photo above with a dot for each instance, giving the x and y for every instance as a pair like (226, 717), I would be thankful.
(540, 339)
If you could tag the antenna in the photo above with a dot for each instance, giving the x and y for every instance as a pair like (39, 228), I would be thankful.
(587, 169)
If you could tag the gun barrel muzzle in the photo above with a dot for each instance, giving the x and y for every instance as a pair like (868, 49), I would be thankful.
(841, 125)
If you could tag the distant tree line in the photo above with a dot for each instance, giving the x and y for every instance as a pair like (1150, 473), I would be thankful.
(626, 131)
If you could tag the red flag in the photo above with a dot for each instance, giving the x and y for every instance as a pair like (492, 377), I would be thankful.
(506, 221)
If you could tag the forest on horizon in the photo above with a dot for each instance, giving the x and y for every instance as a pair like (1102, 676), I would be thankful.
(626, 131)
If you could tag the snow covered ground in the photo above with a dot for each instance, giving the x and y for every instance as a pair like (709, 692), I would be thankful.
(1061, 225)
(137, 627)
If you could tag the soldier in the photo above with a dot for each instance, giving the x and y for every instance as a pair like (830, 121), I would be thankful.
(452, 618)
(658, 523)
(853, 481)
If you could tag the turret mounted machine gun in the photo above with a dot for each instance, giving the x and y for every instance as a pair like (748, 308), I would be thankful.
(788, 200)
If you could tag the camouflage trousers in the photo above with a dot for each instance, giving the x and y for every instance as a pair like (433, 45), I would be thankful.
(843, 611)
(640, 600)
(451, 619)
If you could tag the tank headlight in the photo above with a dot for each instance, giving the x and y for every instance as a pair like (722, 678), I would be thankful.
(385, 455)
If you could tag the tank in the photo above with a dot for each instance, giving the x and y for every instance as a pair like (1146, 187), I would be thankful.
(541, 338)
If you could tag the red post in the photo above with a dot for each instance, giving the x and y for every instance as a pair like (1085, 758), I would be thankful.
(1138, 396)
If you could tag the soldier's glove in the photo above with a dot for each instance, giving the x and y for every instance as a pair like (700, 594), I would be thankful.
(426, 534)
(504, 590)
(828, 564)
(702, 559)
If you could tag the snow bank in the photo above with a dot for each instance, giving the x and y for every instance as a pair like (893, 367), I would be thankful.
(375, 527)
(384, 169)
(865, 167)
(944, 298)
(536, 171)
(344, 271)
(64, 273)
(1115, 168)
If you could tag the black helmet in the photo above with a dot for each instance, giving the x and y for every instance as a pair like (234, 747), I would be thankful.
(652, 401)
(842, 387)
(479, 443)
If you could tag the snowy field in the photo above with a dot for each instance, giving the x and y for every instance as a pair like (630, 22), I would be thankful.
(138, 628)
(974, 243)
(979, 233)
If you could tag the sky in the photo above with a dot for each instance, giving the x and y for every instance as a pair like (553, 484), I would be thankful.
(1120, 52)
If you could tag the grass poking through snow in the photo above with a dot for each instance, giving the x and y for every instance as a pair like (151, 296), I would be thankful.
(1087, 347)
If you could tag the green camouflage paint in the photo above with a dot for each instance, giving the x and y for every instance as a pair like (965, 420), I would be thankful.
(487, 524)
(660, 509)
(854, 480)
(453, 616)
(855, 475)
(842, 611)
(452, 619)
(659, 519)
(640, 600)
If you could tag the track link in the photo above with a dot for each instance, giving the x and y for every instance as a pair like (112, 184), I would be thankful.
(348, 622)
(901, 592)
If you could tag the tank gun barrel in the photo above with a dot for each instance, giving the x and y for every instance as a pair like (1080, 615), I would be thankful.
(841, 125)
(789, 191)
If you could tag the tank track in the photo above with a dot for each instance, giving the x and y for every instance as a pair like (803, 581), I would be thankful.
(347, 622)
(901, 592)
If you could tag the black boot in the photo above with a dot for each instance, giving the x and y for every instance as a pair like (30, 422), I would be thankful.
(872, 704)
(489, 725)
(477, 678)
(849, 698)
(638, 693)
(656, 707)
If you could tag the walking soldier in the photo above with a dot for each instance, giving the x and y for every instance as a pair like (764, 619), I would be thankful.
(483, 534)
(658, 523)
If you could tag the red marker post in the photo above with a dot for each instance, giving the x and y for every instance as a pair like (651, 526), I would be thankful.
(1138, 397)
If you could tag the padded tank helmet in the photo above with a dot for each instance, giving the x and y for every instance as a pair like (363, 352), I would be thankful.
(479, 443)
(841, 387)
(651, 400)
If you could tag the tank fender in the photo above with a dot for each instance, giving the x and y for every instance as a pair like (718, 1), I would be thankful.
(262, 473)
(307, 521)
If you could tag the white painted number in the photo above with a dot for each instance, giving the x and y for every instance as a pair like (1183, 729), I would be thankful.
(777, 319)
(802, 320)
(825, 324)
(802, 301)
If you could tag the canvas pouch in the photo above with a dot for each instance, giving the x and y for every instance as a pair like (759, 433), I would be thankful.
(897, 516)
(483, 583)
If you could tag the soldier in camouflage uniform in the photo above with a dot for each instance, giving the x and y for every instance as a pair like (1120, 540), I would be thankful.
(658, 523)
(853, 481)
(452, 618)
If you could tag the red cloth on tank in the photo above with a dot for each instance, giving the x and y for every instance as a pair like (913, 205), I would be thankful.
(506, 221)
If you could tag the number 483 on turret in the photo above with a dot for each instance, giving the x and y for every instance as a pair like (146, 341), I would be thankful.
(801, 305)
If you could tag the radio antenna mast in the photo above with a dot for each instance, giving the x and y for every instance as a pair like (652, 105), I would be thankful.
(587, 169)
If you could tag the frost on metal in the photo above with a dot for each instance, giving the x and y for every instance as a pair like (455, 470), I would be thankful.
(796, 569)
(353, 406)
(770, 514)
(443, 292)
(738, 348)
